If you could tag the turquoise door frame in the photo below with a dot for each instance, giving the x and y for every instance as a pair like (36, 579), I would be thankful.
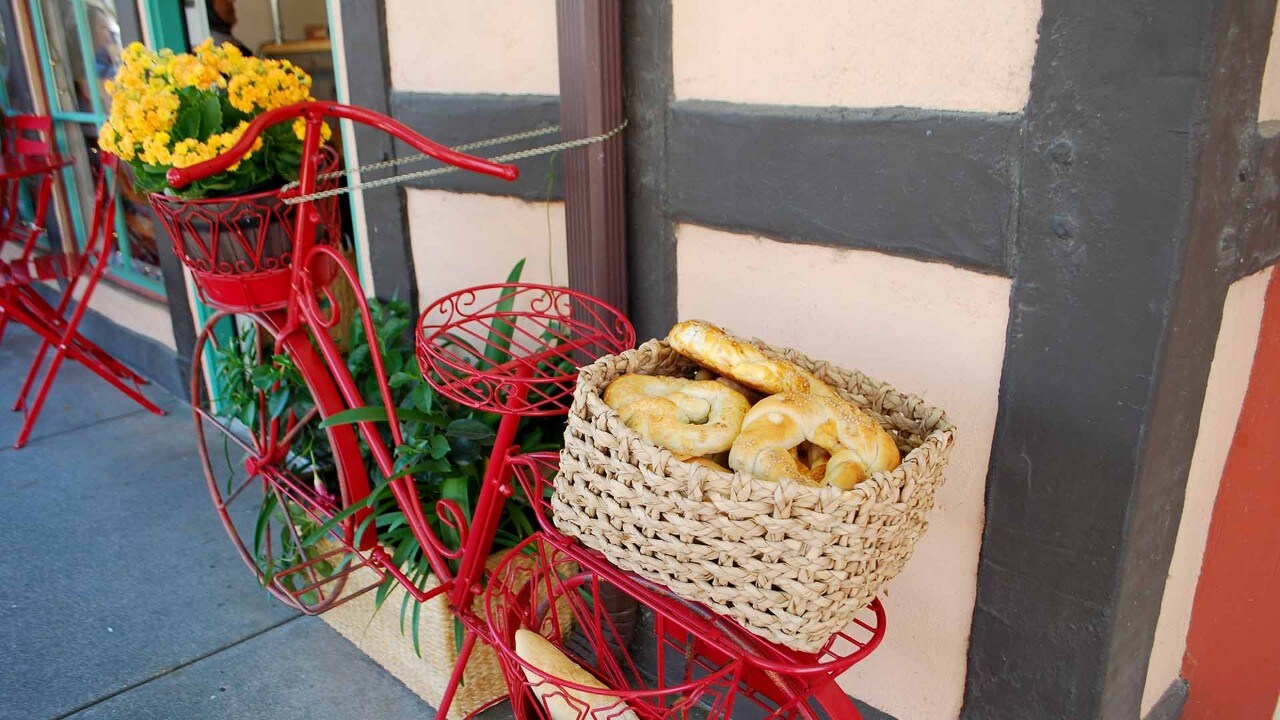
(62, 119)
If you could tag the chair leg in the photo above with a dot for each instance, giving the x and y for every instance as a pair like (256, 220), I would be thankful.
(21, 402)
(29, 420)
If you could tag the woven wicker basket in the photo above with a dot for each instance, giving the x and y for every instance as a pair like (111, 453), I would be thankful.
(790, 562)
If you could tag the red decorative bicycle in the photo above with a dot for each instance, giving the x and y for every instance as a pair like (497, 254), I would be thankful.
(277, 472)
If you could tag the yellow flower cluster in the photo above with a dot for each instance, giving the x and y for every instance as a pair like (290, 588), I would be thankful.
(191, 151)
(143, 103)
(146, 100)
(267, 85)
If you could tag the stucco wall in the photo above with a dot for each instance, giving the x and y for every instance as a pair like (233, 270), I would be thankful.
(941, 337)
(942, 54)
(464, 239)
(482, 46)
(1224, 396)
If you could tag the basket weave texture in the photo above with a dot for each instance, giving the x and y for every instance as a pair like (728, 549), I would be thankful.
(792, 563)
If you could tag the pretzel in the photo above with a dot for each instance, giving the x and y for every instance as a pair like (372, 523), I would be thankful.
(687, 417)
(780, 423)
(712, 347)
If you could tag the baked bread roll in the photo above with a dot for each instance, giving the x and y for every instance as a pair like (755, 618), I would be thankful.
(687, 417)
(562, 702)
(712, 347)
(778, 425)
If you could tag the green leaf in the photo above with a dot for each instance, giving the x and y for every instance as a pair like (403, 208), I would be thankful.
(400, 379)
(455, 489)
(469, 429)
(417, 612)
(346, 512)
(263, 377)
(497, 349)
(439, 446)
(459, 634)
(210, 115)
(260, 533)
(369, 413)
(279, 402)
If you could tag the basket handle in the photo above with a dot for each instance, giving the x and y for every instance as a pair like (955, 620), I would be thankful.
(181, 177)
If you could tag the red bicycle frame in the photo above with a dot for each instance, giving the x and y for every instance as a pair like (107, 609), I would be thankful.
(327, 376)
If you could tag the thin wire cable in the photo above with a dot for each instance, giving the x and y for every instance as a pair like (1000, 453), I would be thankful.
(509, 157)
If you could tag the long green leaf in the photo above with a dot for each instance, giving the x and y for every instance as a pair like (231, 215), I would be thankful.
(469, 429)
(369, 413)
(498, 349)
(376, 413)
(332, 522)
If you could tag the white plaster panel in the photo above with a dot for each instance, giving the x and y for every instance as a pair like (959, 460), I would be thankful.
(481, 46)
(1269, 104)
(1224, 396)
(927, 328)
(460, 240)
(941, 54)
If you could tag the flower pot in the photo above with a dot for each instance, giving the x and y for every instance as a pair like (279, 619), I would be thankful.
(240, 248)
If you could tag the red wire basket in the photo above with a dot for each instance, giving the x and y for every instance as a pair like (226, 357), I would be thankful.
(240, 248)
(777, 680)
(541, 589)
(515, 348)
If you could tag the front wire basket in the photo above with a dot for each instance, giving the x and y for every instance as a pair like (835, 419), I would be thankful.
(515, 348)
(240, 248)
(666, 677)
(767, 666)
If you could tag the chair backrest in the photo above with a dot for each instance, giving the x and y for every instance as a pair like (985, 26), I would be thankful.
(99, 245)
(28, 134)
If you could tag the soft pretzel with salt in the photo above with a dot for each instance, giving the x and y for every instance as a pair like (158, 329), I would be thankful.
(858, 445)
(714, 348)
(687, 417)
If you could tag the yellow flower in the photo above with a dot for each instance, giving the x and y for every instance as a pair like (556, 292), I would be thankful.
(146, 102)
(300, 130)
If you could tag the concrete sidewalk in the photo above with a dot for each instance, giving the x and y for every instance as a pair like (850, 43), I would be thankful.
(120, 595)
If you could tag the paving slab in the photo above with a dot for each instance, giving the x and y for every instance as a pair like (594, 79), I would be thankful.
(116, 569)
(78, 398)
(299, 671)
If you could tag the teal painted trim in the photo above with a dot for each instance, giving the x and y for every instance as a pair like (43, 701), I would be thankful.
(51, 94)
(348, 143)
(123, 270)
(86, 57)
(78, 117)
(164, 17)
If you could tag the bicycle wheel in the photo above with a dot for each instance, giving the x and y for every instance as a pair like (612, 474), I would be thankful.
(275, 476)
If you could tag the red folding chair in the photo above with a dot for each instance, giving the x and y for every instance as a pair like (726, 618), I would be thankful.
(20, 300)
(24, 135)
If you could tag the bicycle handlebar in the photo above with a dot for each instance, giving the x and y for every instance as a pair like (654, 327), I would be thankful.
(181, 177)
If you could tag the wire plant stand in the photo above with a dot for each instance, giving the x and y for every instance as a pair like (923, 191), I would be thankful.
(512, 349)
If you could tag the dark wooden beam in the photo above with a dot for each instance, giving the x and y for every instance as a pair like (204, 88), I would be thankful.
(589, 33)
(1136, 130)
(454, 118)
(364, 44)
(651, 245)
(924, 184)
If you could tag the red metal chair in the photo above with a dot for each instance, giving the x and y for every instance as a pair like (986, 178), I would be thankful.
(24, 135)
(81, 271)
